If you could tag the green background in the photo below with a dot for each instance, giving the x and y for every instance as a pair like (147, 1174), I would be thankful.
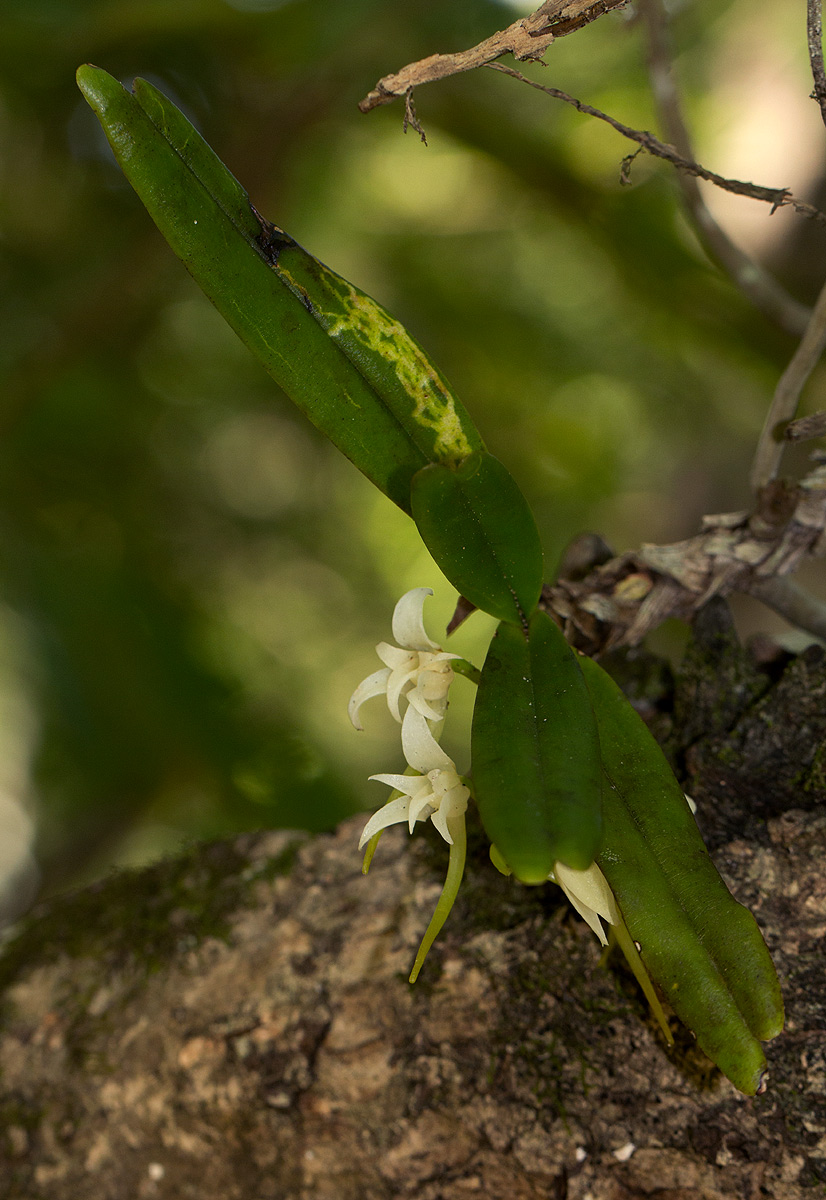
(191, 580)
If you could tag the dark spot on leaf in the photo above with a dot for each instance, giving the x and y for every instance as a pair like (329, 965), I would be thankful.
(271, 240)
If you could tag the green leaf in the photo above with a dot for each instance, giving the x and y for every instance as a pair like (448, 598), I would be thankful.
(536, 764)
(477, 525)
(383, 351)
(704, 949)
(354, 371)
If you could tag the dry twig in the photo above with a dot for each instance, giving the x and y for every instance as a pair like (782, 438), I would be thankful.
(797, 606)
(777, 197)
(528, 39)
(525, 39)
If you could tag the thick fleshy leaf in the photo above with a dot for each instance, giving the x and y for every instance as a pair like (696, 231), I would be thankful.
(354, 371)
(536, 761)
(704, 949)
(391, 361)
(477, 525)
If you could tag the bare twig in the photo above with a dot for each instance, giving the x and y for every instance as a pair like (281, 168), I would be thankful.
(411, 120)
(787, 394)
(620, 601)
(805, 428)
(765, 292)
(525, 39)
(797, 606)
(777, 197)
(814, 29)
(528, 39)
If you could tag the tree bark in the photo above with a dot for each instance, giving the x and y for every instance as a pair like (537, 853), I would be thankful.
(236, 1023)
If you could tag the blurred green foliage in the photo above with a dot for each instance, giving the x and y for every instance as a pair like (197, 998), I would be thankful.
(192, 580)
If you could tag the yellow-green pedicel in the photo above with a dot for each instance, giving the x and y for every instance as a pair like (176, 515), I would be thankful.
(355, 372)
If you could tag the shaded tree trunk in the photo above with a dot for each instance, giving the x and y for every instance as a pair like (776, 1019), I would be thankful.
(236, 1023)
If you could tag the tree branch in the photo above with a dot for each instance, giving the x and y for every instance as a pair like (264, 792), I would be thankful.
(620, 601)
(528, 39)
(786, 396)
(525, 39)
(261, 1040)
(814, 30)
(765, 292)
(804, 428)
(794, 604)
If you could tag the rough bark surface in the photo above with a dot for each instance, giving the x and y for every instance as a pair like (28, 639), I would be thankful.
(236, 1023)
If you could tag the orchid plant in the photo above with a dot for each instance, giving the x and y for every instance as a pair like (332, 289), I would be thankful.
(433, 789)
(566, 780)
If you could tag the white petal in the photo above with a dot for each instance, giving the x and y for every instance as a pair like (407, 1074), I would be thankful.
(435, 675)
(396, 684)
(393, 813)
(590, 887)
(451, 809)
(408, 622)
(417, 700)
(438, 656)
(588, 915)
(402, 783)
(395, 658)
(372, 686)
(420, 808)
(420, 747)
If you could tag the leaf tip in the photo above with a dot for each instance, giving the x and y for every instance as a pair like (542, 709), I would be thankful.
(98, 86)
(84, 76)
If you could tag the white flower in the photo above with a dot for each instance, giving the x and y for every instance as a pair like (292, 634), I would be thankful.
(587, 890)
(417, 668)
(590, 895)
(436, 792)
